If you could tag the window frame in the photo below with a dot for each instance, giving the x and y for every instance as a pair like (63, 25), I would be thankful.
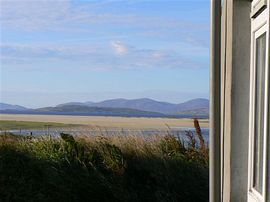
(259, 26)
(257, 6)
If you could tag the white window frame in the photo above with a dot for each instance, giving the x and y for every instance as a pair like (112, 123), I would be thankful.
(259, 26)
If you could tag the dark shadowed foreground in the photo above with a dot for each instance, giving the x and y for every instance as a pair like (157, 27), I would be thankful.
(116, 168)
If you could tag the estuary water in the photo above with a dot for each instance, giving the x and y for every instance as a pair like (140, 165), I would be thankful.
(179, 132)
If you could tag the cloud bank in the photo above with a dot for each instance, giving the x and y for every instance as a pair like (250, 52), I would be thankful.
(114, 55)
(187, 50)
(33, 15)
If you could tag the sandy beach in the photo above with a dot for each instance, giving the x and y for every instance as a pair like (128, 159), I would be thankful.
(107, 122)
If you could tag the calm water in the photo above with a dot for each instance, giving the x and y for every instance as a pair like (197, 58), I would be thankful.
(179, 132)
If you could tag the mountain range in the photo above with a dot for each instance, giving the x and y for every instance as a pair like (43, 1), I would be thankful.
(120, 107)
(5, 106)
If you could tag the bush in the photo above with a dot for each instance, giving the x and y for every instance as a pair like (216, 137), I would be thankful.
(122, 168)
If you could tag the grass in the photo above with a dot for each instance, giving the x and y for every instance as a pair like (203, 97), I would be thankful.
(103, 168)
(17, 125)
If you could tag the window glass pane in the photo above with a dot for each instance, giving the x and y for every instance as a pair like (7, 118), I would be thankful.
(259, 112)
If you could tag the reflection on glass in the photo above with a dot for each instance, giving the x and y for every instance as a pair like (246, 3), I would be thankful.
(259, 112)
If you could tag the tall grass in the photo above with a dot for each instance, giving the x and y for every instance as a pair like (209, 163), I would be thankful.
(104, 168)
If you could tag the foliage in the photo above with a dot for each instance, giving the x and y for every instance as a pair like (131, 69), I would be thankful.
(102, 168)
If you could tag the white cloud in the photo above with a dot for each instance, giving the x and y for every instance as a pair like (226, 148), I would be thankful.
(119, 48)
(62, 15)
(99, 57)
(31, 14)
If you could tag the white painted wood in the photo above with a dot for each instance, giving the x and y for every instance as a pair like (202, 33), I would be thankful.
(257, 6)
(259, 26)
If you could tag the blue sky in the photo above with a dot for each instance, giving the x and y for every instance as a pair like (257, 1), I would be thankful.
(61, 51)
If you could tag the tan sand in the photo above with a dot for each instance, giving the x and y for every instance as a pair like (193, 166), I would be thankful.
(107, 122)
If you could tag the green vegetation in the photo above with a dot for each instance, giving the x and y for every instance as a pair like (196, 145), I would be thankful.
(103, 168)
(17, 125)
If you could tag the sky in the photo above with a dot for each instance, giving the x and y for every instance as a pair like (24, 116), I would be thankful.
(58, 51)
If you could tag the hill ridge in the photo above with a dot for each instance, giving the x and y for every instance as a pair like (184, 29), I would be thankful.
(122, 106)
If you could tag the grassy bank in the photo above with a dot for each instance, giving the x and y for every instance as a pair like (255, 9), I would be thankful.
(116, 168)
(17, 125)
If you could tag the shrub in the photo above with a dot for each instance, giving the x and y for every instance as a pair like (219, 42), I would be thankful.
(111, 168)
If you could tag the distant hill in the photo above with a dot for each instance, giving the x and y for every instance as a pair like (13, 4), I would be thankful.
(146, 104)
(199, 103)
(87, 111)
(5, 106)
(121, 107)
(196, 112)
(73, 103)
(140, 104)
